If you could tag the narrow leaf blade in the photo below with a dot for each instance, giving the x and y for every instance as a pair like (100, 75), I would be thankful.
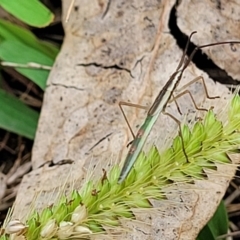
(17, 52)
(33, 12)
(16, 117)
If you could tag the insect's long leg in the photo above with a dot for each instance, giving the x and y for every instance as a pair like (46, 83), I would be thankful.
(180, 132)
(178, 122)
(176, 103)
(174, 98)
(121, 103)
(199, 78)
(181, 63)
(190, 94)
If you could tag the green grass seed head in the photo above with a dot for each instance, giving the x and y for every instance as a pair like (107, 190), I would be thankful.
(100, 204)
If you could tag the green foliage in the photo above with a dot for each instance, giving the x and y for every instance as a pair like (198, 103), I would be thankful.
(19, 46)
(217, 226)
(17, 52)
(13, 32)
(16, 117)
(33, 12)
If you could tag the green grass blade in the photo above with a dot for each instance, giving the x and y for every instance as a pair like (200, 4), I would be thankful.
(217, 226)
(17, 52)
(33, 12)
(9, 31)
(16, 117)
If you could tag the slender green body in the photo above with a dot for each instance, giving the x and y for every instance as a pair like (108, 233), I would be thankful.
(157, 107)
(137, 146)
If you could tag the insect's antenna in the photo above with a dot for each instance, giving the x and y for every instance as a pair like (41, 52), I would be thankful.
(204, 46)
(185, 52)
